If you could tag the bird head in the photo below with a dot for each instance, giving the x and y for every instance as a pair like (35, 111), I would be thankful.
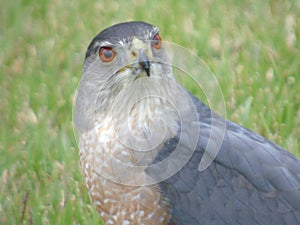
(134, 47)
(115, 61)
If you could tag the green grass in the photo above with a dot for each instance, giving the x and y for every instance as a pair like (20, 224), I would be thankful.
(248, 44)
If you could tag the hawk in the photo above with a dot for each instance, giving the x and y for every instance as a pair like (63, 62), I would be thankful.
(142, 137)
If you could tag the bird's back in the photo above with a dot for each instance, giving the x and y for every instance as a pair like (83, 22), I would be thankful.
(251, 181)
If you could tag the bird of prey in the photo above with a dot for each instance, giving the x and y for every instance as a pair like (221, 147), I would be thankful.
(142, 137)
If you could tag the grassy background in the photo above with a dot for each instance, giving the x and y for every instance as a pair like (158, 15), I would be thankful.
(251, 46)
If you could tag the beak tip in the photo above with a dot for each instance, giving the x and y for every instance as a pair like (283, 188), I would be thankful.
(146, 67)
(147, 71)
(144, 63)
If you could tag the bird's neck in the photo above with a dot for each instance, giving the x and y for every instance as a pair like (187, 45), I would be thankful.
(144, 109)
(140, 120)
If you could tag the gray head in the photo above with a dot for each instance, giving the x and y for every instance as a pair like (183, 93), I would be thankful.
(115, 59)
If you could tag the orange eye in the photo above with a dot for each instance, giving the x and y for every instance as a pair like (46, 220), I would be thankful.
(156, 41)
(106, 54)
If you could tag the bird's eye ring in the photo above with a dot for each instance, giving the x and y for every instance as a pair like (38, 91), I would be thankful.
(156, 41)
(106, 54)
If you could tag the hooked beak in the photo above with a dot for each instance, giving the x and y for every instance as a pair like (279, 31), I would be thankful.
(144, 63)
(141, 64)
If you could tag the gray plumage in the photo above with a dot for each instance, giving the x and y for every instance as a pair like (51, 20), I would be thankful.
(251, 180)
